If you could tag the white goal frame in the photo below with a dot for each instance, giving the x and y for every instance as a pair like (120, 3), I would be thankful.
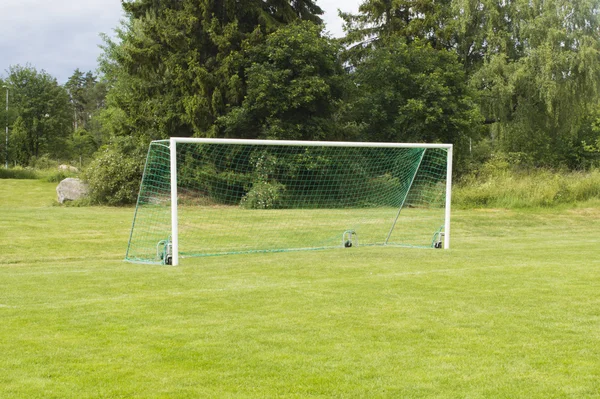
(173, 141)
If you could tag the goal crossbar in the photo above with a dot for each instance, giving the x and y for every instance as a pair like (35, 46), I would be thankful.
(300, 143)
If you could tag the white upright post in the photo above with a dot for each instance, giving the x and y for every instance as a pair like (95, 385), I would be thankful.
(174, 224)
(6, 148)
(448, 199)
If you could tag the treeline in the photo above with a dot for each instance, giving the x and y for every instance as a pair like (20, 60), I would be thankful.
(48, 121)
(516, 77)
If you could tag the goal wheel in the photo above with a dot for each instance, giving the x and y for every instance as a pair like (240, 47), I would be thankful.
(348, 244)
(438, 245)
(168, 260)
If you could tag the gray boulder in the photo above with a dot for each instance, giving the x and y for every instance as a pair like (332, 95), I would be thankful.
(71, 189)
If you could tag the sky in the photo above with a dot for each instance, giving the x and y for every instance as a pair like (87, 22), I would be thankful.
(60, 36)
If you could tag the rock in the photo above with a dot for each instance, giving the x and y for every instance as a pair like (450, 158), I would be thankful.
(71, 189)
(68, 168)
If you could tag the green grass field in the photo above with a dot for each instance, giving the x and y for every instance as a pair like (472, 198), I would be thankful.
(512, 311)
(217, 230)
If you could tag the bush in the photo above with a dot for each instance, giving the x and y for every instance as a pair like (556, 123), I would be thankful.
(264, 195)
(115, 173)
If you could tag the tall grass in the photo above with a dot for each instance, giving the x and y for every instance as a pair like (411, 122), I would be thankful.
(498, 184)
(18, 173)
(50, 175)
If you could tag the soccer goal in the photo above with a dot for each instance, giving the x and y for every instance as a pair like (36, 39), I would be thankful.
(204, 197)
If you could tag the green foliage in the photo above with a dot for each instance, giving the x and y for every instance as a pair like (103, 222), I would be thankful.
(507, 182)
(385, 183)
(18, 172)
(83, 145)
(485, 28)
(264, 195)
(295, 84)
(43, 117)
(533, 65)
(539, 87)
(178, 65)
(43, 162)
(114, 175)
(42, 168)
(53, 176)
(18, 139)
(381, 20)
(426, 71)
(413, 93)
(223, 187)
(87, 97)
(592, 152)
(264, 192)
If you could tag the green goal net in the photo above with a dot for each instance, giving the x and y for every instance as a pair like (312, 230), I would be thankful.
(201, 197)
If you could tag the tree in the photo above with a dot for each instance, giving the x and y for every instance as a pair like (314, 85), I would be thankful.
(413, 93)
(483, 28)
(4, 118)
(533, 65)
(380, 20)
(76, 90)
(87, 97)
(179, 65)
(538, 98)
(44, 116)
(295, 82)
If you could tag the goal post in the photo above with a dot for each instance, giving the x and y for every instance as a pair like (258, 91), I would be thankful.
(204, 197)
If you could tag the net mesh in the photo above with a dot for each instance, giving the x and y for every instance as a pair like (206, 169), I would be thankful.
(236, 198)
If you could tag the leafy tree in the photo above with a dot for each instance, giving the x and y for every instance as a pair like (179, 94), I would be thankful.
(44, 117)
(413, 93)
(410, 75)
(533, 64)
(18, 148)
(82, 145)
(483, 28)
(539, 98)
(294, 85)
(179, 65)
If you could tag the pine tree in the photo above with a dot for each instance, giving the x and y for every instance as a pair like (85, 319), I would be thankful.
(180, 63)
(381, 20)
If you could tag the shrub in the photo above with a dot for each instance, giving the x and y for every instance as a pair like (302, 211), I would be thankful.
(115, 173)
(264, 195)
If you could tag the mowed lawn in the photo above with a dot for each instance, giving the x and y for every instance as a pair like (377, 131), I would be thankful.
(511, 311)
